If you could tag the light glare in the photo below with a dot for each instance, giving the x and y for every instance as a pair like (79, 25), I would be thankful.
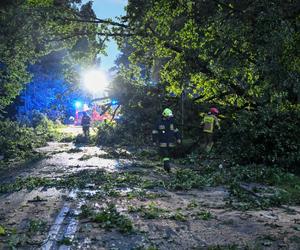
(78, 104)
(95, 81)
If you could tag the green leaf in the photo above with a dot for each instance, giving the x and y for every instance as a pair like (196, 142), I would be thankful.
(2, 231)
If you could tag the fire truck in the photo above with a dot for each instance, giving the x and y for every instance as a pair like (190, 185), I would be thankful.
(99, 109)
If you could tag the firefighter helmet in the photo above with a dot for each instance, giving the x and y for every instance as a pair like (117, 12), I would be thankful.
(214, 111)
(167, 112)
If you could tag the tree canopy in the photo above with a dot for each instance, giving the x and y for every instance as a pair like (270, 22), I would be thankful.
(236, 53)
(31, 29)
(242, 56)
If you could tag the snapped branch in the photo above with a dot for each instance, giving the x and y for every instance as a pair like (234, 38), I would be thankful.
(95, 20)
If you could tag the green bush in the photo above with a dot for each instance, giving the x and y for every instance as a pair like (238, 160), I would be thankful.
(17, 141)
(37, 118)
(269, 135)
(44, 126)
(106, 133)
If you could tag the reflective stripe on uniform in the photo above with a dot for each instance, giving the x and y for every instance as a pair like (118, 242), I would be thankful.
(161, 127)
(163, 144)
(208, 124)
(171, 126)
(172, 145)
(154, 132)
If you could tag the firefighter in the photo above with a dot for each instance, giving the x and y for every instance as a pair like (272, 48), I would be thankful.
(210, 120)
(86, 123)
(166, 135)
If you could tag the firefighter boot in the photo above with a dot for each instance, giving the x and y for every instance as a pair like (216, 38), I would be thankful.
(167, 166)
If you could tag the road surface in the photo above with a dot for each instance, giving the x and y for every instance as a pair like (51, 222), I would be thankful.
(85, 197)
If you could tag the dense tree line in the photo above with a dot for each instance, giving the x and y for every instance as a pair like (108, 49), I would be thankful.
(31, 29)
(241, 53)
(242, 56)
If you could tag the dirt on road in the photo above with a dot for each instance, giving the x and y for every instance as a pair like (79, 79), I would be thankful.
(85, 197)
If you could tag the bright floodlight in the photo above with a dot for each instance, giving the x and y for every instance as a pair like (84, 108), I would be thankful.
(95, 80)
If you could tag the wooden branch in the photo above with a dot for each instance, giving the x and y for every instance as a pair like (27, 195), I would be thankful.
(115, 34)
(96, 21)
(114, 114)
(91, 33)
(107, 108)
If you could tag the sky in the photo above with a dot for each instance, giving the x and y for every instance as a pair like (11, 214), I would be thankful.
(109, 9)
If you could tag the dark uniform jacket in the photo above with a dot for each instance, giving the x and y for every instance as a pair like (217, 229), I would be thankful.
(85, 121)
(165, 133)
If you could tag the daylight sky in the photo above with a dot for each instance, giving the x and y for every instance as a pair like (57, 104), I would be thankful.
(109, 9)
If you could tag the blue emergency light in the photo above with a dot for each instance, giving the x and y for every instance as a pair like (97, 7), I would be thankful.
(114, 102)
(78, 104)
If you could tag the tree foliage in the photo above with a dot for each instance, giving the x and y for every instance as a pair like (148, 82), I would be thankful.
(48, 92)
(31, 29)
(18, 141)
(140, 100)
(230, 52)
(242, 56)
(266, 135)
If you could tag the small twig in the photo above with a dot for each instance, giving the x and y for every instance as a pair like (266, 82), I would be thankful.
(37, 200)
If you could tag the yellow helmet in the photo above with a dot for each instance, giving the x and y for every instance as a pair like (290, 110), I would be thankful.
(167, 112)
